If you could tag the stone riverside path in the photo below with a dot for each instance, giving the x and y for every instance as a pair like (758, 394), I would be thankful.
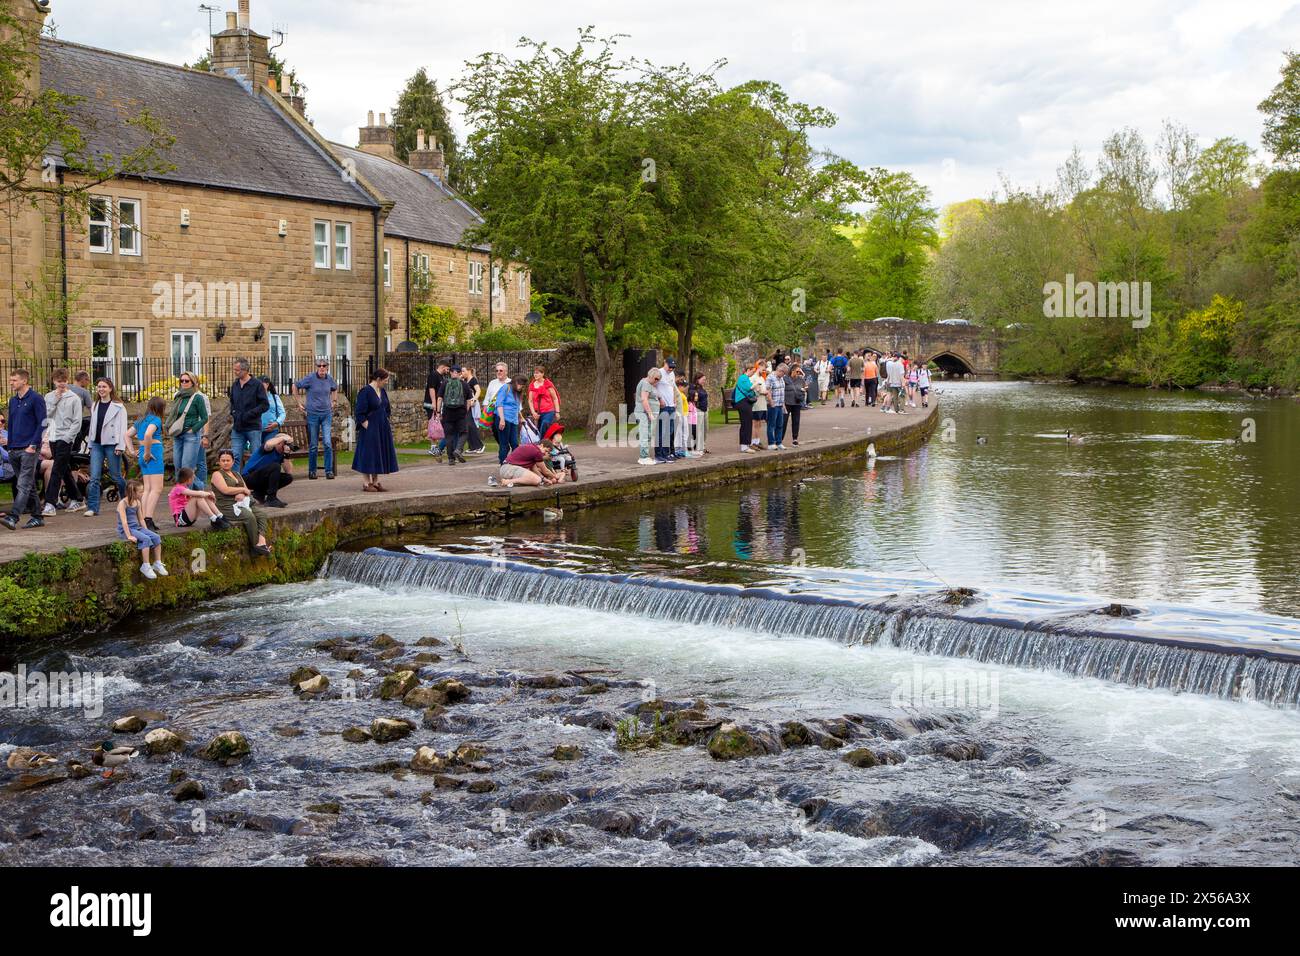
(823, 429)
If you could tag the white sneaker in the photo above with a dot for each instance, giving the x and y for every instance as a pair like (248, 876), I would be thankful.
(160, 568)
(75, 506)
(148, 572)
(780, 448)
(49, 511)
(746, 449)
(645, 461)
(493, 481)
(90, 513)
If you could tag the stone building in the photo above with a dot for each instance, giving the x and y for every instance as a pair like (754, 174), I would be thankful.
(265, 240)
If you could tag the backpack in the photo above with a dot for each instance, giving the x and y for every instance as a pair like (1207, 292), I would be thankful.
(453, 395)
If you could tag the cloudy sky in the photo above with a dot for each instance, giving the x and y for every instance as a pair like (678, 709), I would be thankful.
(959, 94)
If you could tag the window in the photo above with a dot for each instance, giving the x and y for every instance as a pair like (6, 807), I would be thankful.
(321, 240)
(128, 227)
(419, 271)
(476, 278)
(101, 225)
(496, 282)
(388, 269)
(343, 345)
(282, 370)
(521, 282)
(101, 354)
(185, 351)
(132, 374)
(342, 245)
(322, 345)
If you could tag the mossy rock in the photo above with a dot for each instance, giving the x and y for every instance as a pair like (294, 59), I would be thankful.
(429, 642)
(453, 691)
(356, 735)
(566, 752)
(163, 741)
(468, 753)
(428, 760)
(229, 745)
(130, 724)
(384, 641)
(315, 685)
(304, 673)
(595, 689)
(398, 685)
(426, 657)
(861, 757)
(387, 729)
(423, 698)
(731, 742)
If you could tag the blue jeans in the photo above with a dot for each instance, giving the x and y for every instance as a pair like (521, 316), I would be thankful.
(319, 424)
(187, 451)
(250, 439)
(775, 424)
(544, 421)
(507, 440)
(98, 455)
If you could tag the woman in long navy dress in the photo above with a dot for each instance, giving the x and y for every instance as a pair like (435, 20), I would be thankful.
(376, 454)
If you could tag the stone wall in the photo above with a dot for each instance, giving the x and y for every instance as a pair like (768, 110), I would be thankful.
(974, 348)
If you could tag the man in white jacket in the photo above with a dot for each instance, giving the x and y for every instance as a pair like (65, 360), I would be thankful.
(62, 431)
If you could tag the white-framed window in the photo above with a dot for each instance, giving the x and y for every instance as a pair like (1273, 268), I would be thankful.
(343, 345)
(332, 345)
(496, 282)
(185, 350)
(282, 364)
(102, 354)
(419, 271)
(132, 371)
(476, 278)
(342, 245)
(321, 242)
(128, 227)
(521, 282)
(101, 224)
(388, 269)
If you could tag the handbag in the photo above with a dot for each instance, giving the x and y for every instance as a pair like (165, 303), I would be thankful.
(178, 426)
(436, 432)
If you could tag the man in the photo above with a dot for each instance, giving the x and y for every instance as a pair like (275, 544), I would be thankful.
(81, 385)
(248, 402)
(839, 376)
(665, 432)
(776, 407)
(490, 398)
(433, 402)
(26, 415)
(318, 408)
(646, 414)
(526, 465)
(871, 379)
(894, 375)
(453, 414)
(857, 365)
(265, 474)
(63, 431)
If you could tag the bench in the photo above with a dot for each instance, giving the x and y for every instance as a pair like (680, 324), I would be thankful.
(296, 428)
(728, 405)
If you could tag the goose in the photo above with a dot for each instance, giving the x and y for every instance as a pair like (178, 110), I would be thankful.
(109, 756)
(981, 440)
(1073, 439)
(871, 449)
(1230, 441)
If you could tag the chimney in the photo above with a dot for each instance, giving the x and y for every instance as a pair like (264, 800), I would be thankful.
(238, 50)
(427, 157)
(378, 139)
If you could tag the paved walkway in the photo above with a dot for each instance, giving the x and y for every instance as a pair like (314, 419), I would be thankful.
(821, 427)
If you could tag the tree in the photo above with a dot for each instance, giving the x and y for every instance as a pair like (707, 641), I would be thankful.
(420, 107)
(894, 244)
(1281, 109)
(556, 159)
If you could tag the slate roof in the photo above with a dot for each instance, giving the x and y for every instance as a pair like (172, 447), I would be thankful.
(226, 137)
(425, 210)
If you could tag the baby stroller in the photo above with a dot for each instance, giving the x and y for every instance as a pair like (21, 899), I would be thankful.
(80, 462)
(562, 458)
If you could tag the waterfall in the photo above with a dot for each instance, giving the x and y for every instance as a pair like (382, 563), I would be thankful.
(1225, 671)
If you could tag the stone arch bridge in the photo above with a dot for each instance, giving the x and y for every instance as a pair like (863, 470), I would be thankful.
(956, 349)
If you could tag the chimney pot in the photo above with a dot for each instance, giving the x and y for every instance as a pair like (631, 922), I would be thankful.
(370, 118)
(383, 119)
(419, 140)
(232, 20)
(243, 14)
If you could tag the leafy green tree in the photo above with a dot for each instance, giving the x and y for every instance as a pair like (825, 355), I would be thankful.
(420, 107)
(894, 243)
(1281, 109)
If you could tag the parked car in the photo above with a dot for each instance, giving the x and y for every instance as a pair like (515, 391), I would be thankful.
(954, 322)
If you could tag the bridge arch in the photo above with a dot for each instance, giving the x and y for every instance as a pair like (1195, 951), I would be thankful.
(951, 363)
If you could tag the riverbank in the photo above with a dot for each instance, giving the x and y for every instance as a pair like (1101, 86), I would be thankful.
(75, 575)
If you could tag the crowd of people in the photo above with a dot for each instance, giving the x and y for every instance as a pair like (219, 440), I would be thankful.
(55, 449)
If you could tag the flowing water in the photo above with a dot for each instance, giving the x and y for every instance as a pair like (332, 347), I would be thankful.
(1013, 723)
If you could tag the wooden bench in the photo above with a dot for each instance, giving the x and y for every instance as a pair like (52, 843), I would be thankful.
(728, 404)
(296, 428)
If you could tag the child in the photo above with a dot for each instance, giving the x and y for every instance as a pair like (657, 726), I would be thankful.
(187, 504)
(130, 529)
(562, 461)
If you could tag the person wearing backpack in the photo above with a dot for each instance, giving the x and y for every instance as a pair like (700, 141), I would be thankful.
(454, 410)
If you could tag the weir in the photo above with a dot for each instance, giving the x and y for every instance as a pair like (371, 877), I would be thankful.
(1228, 671)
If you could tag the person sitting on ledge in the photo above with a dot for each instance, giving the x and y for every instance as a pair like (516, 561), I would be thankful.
(267, 471)
(526, 465)
(236, 505)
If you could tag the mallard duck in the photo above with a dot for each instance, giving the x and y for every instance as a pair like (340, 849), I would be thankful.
(108, 756)
(27, 758)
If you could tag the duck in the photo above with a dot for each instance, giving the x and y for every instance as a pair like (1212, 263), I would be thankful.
(108, 756)
(981, 440)
(871, 449)
(1230, 441)
(27, 758)
(552, 514)
(1073, 439)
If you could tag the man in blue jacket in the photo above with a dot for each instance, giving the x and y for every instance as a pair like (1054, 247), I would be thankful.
(247, 403)
(26, 422)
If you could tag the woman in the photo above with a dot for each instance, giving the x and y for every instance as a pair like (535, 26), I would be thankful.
(698, 396)
(266, 470)
(743, 397)
(149, 431)
(236, 504)
(190, 440)
(509, 404)
(108, 442)
(276, 413)
(758, 379)
(376, 454)
(796, 396)
(472, 392)
(824, 376)
(543, 400)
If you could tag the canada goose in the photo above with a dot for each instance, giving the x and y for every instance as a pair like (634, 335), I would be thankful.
(1230, 441)
(871, 449)
(981, 440)
(1073, 439)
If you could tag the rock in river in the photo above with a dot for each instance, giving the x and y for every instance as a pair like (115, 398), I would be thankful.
(427, 760)
(230, 745)
(129, 725)
(387, 729)
(163, 741)
(396, 686)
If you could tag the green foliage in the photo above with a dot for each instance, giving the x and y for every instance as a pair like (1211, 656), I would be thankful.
(420, 107)
(1281, 109)
(27, 609)
(435, 327)
(894, 243)
(36, 570)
